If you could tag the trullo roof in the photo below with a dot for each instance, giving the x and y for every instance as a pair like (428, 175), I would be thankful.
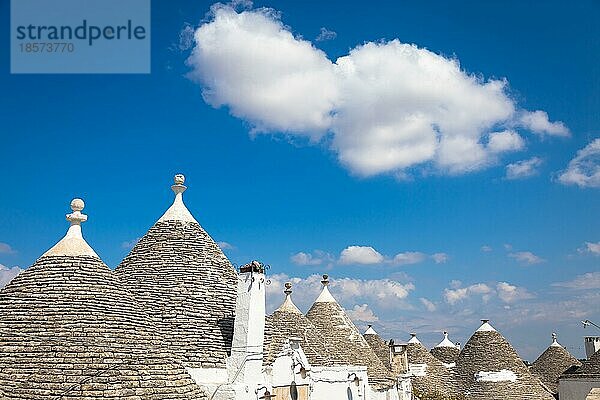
(589, 368)
(379, 346)
(70, 330)
(552, 363)
(288, 322)
(185, 282)
(347, 345)
(489, 368)
(446, 351)
(428, 375)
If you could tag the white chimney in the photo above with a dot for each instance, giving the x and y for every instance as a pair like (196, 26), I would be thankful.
(245, 363)
(592, 345)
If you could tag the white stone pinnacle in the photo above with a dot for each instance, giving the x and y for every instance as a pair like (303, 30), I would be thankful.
(288, 305)
(73, 243)
(178, 211)
(414, 339)
(446, 342)
(370, 331)
(325, 296)
(554, 341)
(485, 326)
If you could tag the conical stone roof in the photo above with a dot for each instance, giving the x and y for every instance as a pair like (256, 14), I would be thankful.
(379, 346)
(446, 351)
(288, 322)
(429, 376)
(347, 345)
(185, 282)
(489, 368)
(589, 368)
(552, 363)
(70, 330)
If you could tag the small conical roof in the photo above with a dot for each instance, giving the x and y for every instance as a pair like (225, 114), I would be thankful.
(446, 351)
(347, 345)
(185, 282)
(379, 346)
(288, 322)
(428, 375)
(550, 365)
(589, 368)
(69, 329)
(488, 367)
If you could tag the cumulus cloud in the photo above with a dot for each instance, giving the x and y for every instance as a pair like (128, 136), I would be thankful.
(503, 291)
(509, 140)
(326, 34)
(592, 248)
(360, 255)
(510, 293)
(453, 296)
(526, 257)
(385, 107)
(440, 258)
(225, 245)
(384, 293)
(318, 257)
(584, 169)
(538, 122)
(6, 248)
(486, 249)
(128, 245)
(523, 169)
(429, 305)
(7, 274)
(409, 257)
(362, 313)
(590, 280)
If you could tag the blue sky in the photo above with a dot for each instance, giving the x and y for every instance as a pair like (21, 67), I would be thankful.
(276, 184)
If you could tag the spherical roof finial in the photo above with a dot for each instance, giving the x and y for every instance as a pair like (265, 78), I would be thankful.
(76, 217)
(179, 179)
(77, 204)
(179, 187)
(288, 288)
(325, 280)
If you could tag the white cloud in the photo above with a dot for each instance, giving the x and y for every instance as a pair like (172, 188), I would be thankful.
(537, 121)
(590, 280)
(505, 141)
(326, 34)
(360, 255)
(503, 291)
(362, 313)
(584, 169)
(384, 293)
(128, 245)
(7, 274)
(225, 245)
(593, 248)
(486, 249)
(523, 169)
(510, 293)
(429, 305)
(526, 257)
(250, 62)
(409, 257)
(452, 296)
(440, 258)
(318, 257)
(6, 249)
(384, 108)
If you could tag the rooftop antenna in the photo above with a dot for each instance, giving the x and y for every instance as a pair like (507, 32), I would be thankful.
(587, 323)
